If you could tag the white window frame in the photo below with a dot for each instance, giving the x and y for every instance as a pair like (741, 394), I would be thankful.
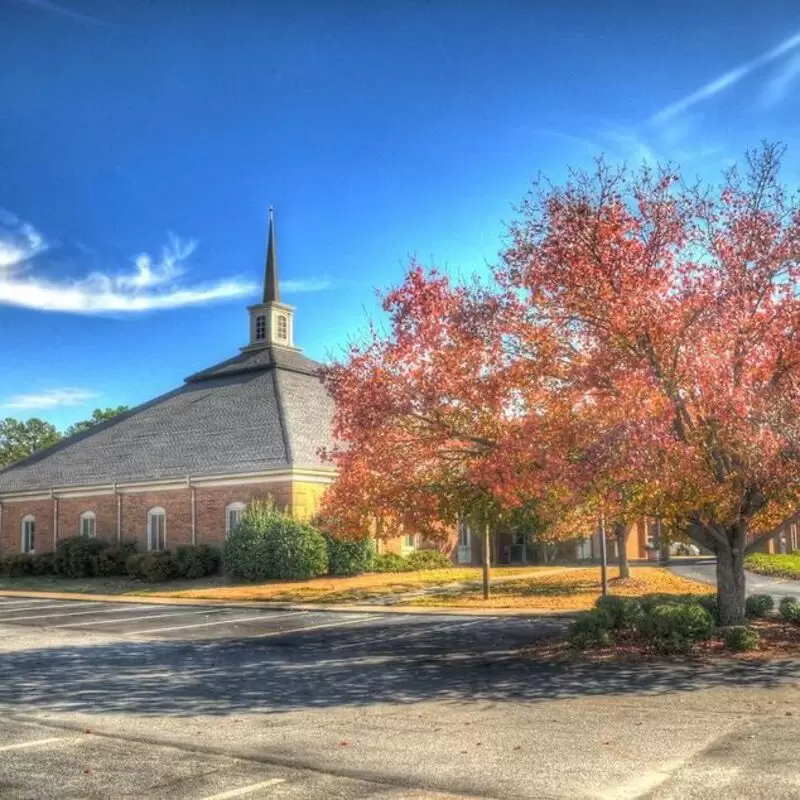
(155, 512)
(27, 532)
(282, 327)
(232, 507)
(409, 542)
(260, 332)
(88, 516)
(464, 551)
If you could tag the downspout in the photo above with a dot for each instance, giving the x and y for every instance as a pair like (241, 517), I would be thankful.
(118, 496)
(193, 505)
(55, 519)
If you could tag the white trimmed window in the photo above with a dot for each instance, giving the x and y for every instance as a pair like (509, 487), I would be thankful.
(232, 515)
(261, 327)
(410, 542)
(28, 544)
(156, 529)
(88, 524)
(283, 327)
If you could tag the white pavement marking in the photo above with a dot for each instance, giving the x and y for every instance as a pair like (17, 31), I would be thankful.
(314, 627)
(251, 618)
(448, 626)
(28, 600)
(132, 619)
(35, 743)
(84, 604)
(39, 607)
(49, 615)
(253, 787)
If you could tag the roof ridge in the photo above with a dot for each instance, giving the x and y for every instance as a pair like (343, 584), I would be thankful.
(287, 443)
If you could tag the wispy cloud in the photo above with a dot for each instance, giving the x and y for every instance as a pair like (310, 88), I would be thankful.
(308, 285)
(49, 398)
(153, 284)
(54, 8)
(778, 87)
(726, 80)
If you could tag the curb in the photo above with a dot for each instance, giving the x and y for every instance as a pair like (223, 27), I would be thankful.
(274, 606)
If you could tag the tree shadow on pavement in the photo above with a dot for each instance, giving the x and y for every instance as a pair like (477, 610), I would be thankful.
(338, 668)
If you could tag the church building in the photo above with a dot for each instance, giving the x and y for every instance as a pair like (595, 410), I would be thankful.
(181, 468)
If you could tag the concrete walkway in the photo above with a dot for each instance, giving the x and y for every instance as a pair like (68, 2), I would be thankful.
(705, 572)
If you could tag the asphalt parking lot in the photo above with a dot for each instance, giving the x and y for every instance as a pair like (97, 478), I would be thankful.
(192, 702)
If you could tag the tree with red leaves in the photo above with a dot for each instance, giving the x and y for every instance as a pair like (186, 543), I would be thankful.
(681, 308)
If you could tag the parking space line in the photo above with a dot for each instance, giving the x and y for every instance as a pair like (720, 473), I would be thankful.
(251, 618)
(351, 621)
(241, 792)
(448, 626)
(135, 619)
(28, 600)
(84, 604)
(49, 615)
(35, 743)
(38, 607)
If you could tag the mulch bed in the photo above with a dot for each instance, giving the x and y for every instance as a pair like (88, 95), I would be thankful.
(778, 640)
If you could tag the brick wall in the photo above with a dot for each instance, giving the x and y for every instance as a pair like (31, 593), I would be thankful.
(210, 505)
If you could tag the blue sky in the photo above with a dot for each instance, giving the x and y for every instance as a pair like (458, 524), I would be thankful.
(141, 144)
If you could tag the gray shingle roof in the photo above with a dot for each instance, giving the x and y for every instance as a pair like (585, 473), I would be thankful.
(264, 409)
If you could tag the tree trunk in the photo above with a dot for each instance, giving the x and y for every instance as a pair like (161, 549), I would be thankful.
(730, 582)
(603, 558)
(621, 538)
(487, 558)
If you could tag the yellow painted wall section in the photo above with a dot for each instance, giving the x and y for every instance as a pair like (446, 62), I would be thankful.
(306, 498)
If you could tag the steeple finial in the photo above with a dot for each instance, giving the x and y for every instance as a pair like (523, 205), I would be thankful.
(271, 291)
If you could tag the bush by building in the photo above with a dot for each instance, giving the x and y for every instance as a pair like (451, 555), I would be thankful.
(428, 559)
(741, 639)
(197, 561)
(758, 606)
(350, 556)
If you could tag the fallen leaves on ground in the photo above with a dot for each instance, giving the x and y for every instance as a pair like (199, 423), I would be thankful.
(571, 590)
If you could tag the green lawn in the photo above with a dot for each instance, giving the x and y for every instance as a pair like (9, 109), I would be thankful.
(779, 566)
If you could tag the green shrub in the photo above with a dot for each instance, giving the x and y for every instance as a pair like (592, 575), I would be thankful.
(789, 609)
(156, 567)
(428, 559)
(350, 556)
(591, 629)
(75, 556)
(709, 603)
(197, 561)
(758, 605)
(113, 561)
(624, 613)
(268, 544)
(43, 564)
(677, 627)
(133, 565)
(391, 562)
(740, 639)
(18, 565)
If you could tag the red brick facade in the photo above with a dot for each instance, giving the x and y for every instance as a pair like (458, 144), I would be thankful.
(210, 505)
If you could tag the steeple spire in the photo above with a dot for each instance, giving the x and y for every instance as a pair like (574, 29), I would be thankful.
(271, 290)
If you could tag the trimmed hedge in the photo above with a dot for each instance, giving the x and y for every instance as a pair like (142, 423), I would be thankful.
(624, 613)
(75, 556)
(43, 564)
(428, 559)
(391, 562)
(678, 627)
(17, 565)
(789, 609)
(153, 567)
(268, 544)
(741, 639)
(758, 606)
(591, 629)
(350, 556)
(197, 561)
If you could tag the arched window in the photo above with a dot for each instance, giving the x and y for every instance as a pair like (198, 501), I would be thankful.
(88, 523)
(283, 327)
(232, 515)
(261, 327)
(28, 544)
(156, 529)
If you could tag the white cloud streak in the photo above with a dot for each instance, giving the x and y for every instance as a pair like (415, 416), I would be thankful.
(778, 88)
(152, 285)
(308, 285)
(50, 398)
(53, 8)
(726, 80)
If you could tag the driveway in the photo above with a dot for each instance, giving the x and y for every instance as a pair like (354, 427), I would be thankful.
(705, 572)
(96, 702)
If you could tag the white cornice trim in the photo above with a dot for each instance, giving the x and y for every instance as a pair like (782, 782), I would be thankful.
(300, 475)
